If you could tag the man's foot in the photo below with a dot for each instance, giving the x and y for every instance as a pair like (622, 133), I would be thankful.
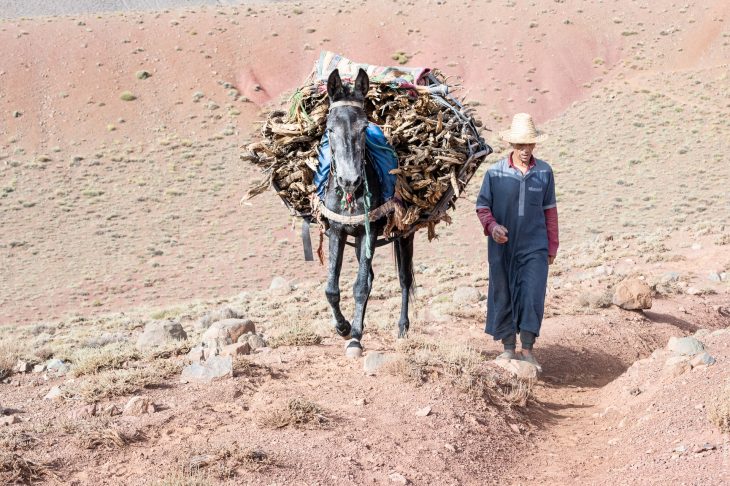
(507, 354)
(530, 358)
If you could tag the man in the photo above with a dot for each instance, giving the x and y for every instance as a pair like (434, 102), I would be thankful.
(517, 209)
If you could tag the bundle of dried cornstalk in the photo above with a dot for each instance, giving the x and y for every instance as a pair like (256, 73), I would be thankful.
(435, 138)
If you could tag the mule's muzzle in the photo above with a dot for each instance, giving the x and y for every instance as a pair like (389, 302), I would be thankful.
(349, 185)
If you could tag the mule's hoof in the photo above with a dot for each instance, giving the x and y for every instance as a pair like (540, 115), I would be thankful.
(353, 350)
(344, 330)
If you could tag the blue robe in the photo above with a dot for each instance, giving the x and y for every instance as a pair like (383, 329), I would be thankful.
(518, 269)
(380, 153)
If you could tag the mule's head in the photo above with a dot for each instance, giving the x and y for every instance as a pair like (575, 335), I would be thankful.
(346, 125)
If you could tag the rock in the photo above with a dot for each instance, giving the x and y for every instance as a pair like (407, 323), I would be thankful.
(702, 359)
(423, 412)
(374, 361)
(696, 246)
(84, 412)
(23, 366)
(714, 277)
(111, 410)
(225, 332)
(53, 394)
(138, 405)
(214, 316)
(253, 340)
(143, 74)
(56, 366)
(700, 333)
(159, 333)
(466, 295)
(214, 368)
(670, 277)
(686, 346)
(397, 478)
(39, 368)
(196, 354)
(521, 369)
(9, 420)
(280, 286)
(692, 291)
(676, 365)
(632, 294)
(236, 349)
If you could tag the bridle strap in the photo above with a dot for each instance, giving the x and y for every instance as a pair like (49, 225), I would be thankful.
(356, 104)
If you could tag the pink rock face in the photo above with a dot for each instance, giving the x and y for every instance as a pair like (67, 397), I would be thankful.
(632, 294)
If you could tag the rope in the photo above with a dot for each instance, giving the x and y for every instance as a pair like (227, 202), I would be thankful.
(373, 215)
(366, 201)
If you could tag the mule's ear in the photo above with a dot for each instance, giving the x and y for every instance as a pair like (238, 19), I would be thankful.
(362, 83)
(335, 90)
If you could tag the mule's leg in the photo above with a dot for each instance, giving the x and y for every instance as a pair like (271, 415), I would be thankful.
(361, 291)
(337, 247)
(404, 259)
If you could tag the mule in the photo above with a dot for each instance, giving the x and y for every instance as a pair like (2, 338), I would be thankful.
(352, 187)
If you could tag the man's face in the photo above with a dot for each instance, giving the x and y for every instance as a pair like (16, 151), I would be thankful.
(524, 151)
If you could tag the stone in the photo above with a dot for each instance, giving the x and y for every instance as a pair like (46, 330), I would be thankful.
(84, 412)
(253, 340)
(676, 365)
(39, 368)
(23, 366)
(700, 333)
(692, 291)
(214, 316)
(159, 333)
(225, 332)
(632, 294)
(374, 361)
(56, 366)
(280, 286)
(53, 394)
(236, 349)
(138, 405)
(465, 296)
(9, 420)
(686, 346)
(214, 368)
(111, 410)
(397, 478)
(714, 277)
(196, 354)
(702, 359)
(521, 369)
(423, 412)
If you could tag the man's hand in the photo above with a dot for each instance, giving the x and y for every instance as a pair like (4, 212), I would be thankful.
(499, 234)
(551, 259)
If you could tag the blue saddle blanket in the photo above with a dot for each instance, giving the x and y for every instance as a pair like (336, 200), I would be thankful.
(380, 153)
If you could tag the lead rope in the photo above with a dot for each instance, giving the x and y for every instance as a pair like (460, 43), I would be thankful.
(366, 201)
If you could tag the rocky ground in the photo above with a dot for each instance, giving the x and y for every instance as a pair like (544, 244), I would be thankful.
(154, 331)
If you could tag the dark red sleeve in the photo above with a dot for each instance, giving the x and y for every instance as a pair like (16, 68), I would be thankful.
(487, 219)
(551, 221)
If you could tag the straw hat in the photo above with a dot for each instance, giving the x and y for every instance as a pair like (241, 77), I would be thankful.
(522, 131)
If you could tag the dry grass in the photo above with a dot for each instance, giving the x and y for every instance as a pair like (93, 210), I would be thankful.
(17, 440)
(117, 383)
(89, 361)
(299, 412)
(296, 336)
(8, 357)
(719, 411)
(92, 435)
(16, 469)
(516, 392)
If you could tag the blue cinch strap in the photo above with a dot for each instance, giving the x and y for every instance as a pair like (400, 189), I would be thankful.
(381, 154)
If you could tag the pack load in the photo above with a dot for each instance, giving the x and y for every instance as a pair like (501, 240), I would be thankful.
(435, 137)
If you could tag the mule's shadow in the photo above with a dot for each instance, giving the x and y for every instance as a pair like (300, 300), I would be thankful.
(671, 320)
